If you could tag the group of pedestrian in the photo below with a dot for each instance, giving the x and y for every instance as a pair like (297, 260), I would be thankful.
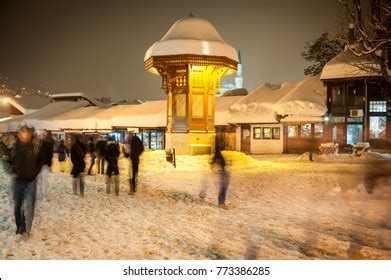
(108, 151)
(31, 161)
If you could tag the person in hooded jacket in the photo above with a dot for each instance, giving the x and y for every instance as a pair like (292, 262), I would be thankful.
(78, 153)
(63, 152)
(111, 154)
(26, 163)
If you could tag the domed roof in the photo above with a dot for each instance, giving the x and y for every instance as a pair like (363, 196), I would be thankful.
(192, 35)
(193, 28)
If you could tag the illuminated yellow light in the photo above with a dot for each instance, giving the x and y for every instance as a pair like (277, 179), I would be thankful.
(5, 100)
(198, 68)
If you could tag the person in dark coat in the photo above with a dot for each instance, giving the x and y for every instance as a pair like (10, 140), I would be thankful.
(219, 162)
(78, 153)
(136, 149)
(63, 152)
(101, 150)
(26, 163)
(112, 153)
(91, 151)
(47, 157)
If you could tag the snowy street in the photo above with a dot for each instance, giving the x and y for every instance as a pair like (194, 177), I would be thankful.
(280, 207)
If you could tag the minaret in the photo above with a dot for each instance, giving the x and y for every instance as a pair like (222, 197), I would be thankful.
(239, 74)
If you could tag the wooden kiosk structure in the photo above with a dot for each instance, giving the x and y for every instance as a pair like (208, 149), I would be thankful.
(191, 58)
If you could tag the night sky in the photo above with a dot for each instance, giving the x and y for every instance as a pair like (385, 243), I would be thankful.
(98, 47)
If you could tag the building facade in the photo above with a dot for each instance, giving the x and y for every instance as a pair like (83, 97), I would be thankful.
(358, 102)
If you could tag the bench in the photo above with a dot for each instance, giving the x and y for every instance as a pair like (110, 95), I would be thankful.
(360, 148)
(328, 148)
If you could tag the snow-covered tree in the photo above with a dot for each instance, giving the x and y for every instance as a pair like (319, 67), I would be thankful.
(318, 52)
(371, 26)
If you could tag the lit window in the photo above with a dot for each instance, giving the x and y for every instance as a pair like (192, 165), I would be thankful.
(305, 130)
(378, 106)
(257, 133)
(267, 133)
(276, 133)
(292, 131)
(377, 127)
(198, 106)
(180, 80)
(318, 130)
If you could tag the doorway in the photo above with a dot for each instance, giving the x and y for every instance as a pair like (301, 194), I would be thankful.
(338, 134)
(245, 138)
(354, 133)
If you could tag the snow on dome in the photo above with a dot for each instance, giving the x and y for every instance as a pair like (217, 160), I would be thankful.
(192, 35)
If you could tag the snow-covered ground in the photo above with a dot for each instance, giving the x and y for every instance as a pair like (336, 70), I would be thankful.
(278, 208)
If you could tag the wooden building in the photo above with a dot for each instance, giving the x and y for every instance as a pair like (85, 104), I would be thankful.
(358, 102)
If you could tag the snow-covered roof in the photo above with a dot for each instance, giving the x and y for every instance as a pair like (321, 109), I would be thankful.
(258, 106)
(302, 101)
(302, 119)
(348, 65)
(222, 105)
(192, 35)
(77, 96)
(28, 103)
(307, 98)
(79, 118)
(148, 114)
(38, 118)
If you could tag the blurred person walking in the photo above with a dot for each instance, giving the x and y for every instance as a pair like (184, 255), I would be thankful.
(219, 162)
(78, 153)
(47, 147)
(101, 150)
(136, 149)
(63, 152)
(111, 155)
(91, 151)
(26, 163)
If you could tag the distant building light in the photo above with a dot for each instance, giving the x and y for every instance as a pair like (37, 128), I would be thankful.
(326, 118)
